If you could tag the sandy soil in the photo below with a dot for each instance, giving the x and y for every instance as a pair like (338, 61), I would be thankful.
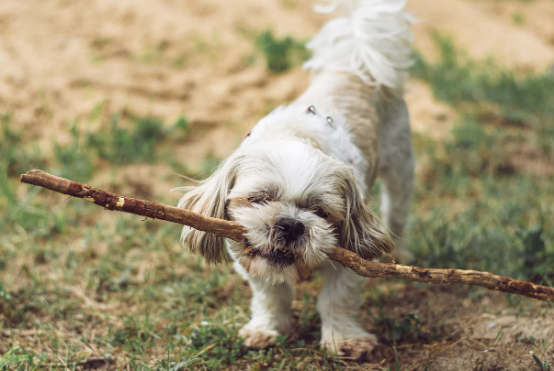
(61, 58)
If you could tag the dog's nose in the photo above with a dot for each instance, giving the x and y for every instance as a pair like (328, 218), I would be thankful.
(290, 228)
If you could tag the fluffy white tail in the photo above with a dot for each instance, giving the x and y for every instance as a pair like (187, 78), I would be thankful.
(373, 42)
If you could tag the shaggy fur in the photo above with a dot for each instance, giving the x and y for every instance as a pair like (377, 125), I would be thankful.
(300, 180)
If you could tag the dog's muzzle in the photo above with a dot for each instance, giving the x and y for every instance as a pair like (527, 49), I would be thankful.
(286, 231)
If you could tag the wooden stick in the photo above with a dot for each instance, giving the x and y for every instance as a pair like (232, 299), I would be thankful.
(441, 276)
(154, 210)
(235, 231)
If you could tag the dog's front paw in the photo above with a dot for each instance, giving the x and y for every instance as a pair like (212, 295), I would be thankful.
(357, 349)
(258, 338)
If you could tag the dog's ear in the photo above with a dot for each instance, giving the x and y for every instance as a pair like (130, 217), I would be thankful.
(361, 230)
(209, 199)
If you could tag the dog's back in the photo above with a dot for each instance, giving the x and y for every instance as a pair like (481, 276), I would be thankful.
(360, 64)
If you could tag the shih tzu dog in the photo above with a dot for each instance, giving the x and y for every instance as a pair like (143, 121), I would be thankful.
(300, 181)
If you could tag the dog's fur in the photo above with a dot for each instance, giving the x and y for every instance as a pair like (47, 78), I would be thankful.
(299, 181)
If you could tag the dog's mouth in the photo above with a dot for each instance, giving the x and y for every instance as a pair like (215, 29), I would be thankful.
(277, 257)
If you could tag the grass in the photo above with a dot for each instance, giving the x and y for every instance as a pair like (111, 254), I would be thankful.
(518, 19)
(74, 160)
(81, 288)
(491, 93)
(502, 208)
(136, 143)
(543, 365)
(15, 156)
(281, 54)
(87, 280)
(12, 358)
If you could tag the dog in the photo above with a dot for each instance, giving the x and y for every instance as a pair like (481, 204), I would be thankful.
(300, 180)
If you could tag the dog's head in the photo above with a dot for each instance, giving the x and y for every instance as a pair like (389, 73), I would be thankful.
(296, 204)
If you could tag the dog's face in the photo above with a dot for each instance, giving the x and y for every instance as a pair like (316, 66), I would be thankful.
(296, 204)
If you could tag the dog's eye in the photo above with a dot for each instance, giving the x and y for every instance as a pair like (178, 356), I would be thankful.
(257, 200)
(321, 213)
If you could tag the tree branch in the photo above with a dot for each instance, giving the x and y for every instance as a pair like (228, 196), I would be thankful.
(154, 210)
(235, 231)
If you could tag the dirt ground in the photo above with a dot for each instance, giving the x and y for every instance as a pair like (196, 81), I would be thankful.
(60, 59)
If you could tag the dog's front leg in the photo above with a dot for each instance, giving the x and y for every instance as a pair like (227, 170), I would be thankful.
(271, 311)
(339, 306)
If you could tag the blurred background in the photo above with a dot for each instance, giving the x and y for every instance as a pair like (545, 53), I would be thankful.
(126, 95)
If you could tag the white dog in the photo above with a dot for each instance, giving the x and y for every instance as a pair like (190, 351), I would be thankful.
(299, 181)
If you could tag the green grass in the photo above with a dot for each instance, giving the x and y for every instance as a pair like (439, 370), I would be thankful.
(15, 155)
(281, 54)
(14, 358)
(518, 18)
(543, 365)
(491, 93)
(127, 144)
(75, 160)
(511, 216)
(481, 203)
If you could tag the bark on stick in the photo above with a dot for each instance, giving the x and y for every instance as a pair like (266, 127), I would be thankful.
(235, 231)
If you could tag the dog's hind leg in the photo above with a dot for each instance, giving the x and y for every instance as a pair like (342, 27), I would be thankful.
(396, 169)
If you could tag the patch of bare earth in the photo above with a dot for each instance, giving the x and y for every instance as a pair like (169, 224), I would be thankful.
(482, 33)
(464, 330)
(60, 59)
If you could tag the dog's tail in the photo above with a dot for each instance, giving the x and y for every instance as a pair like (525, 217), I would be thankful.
(373, 42)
